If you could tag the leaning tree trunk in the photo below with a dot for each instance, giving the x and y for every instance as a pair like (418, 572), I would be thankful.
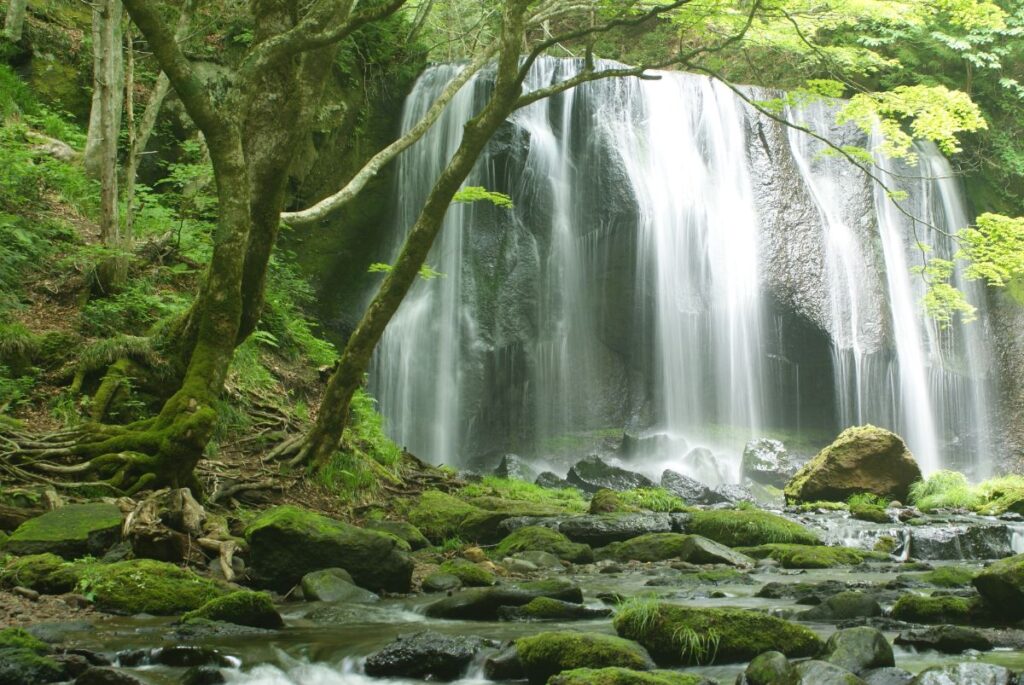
(14, 22)
(325, 436)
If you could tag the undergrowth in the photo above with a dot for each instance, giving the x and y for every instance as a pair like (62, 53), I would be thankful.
(570, 499)
(652, 499)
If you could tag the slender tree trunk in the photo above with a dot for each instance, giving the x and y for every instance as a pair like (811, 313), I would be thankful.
(108, 69)
(14, 22)
(112, 271)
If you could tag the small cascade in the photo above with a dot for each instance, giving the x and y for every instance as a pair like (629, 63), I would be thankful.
(674, 264)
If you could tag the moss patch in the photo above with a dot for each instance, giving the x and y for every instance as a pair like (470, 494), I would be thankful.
(540, 539)
(468, 573)
(71, 531)
(244, 608)
(747, 528)
(144, 586)
(948, 576)
(547, 654)
(809, 556)
(649, 547)
(915, 608)
(624, 676)
(675, 634)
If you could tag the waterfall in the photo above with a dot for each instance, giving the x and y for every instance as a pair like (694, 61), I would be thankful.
(673, 264)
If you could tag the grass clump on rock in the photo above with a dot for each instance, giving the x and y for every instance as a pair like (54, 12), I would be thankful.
(244, 608)
(944, 490)
(547, 654)
(624, 676)
(570, 500)
(540, 539)
(914, 608)
(144, 586)
(809, 556)
(652, 499)
(748, 528)
(676, 634)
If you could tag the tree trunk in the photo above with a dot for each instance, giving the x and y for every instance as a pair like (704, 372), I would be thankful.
(14, 22)
(112, 270)
(107, 70)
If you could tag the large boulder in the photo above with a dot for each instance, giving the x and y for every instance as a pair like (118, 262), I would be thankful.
(863, 459)
(766, 461)
(547, 609)
(971, 541)
(45, 573)
(25, 659)
(650, 547)
(690, 490)
(700, 550)
(914, 608)
(676, 634)
(1001, 584)
(769, 668)
(334, 585)
(747, 528)
(426, 656)
(593, 473)
(816, 672)
(945, 639)
(548, 654)
(72, 531)
(286, 543)
(858, 649)
(843, 606)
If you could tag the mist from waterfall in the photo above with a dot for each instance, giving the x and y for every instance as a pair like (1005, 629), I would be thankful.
(628, 288)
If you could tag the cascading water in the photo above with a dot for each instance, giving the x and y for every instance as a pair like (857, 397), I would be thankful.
(629, 287)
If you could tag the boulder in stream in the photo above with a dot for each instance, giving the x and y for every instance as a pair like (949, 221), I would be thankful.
(543, 539)
(548, 654)
(767, 462)
(817, 672)
(945, 639)
(244, 608)
(428, 655)
(599, 530)
(286, 543)
(844, 606)
(863, 459)
(545, 608)
(333, 585)
(483, 604)
(614, 675)
(974, 540)
(1001, 584)
(858, 649)
(972, 673)
(769, 668)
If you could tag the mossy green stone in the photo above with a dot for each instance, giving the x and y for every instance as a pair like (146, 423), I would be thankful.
(1002, 585)
(287, 542)
(915, 608)
(469, 573)
(807, 556)
(144, 586)
(606, 501)
(870, 513)
(405, 531)
(244, 608)
(649, 547)
(72, 531)
(540, 539)
(747, 528)
(439, 516)
(16, 638)
(46, 573)
(676, 634)
(949, 576)
(547, 654)
(624, 676)
(25, 666)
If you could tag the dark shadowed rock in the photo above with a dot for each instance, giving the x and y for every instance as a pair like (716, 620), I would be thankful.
(971, 541)
(72, 531)
(513, 466)
(593, 473)
(106, 676)
(946, 639)
(769, 668)
(551, 480)
(600, 530)
(858, 649)
(483, 604)
(1002, 586)
(426, 656)
(842, 606)
(690, 490)
(334, 585)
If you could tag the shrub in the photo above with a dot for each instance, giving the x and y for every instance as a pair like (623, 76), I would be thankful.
(944, 490)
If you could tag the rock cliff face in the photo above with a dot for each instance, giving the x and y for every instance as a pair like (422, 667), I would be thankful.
(674, 261)
(1008, 335)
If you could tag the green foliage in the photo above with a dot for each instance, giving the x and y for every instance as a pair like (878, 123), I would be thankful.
(1002, 494)
(944, 490)
(652, 499)
(994, 249)
(427, 272)
(471, 194)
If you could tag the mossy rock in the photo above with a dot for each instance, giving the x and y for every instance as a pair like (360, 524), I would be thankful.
(144, 586)
(807, 556)
(1001, 584)
(624, 676)
(73, 531)
(440, 516)
(468, 573)
(870, 512)
(863, 459)
(770, 668)
(548, 654)
(45, 573)
(675, 634)
(606, 501)
(948, 576)
(333, 585)
(915, 608)
(24, 660)
(650, 547)
(244, 608)
(287, 542)
(402, 530)
(540, 539)
(748, 528)
(547, 609)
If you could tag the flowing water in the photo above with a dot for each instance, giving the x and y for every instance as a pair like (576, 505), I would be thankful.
(637, 284)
